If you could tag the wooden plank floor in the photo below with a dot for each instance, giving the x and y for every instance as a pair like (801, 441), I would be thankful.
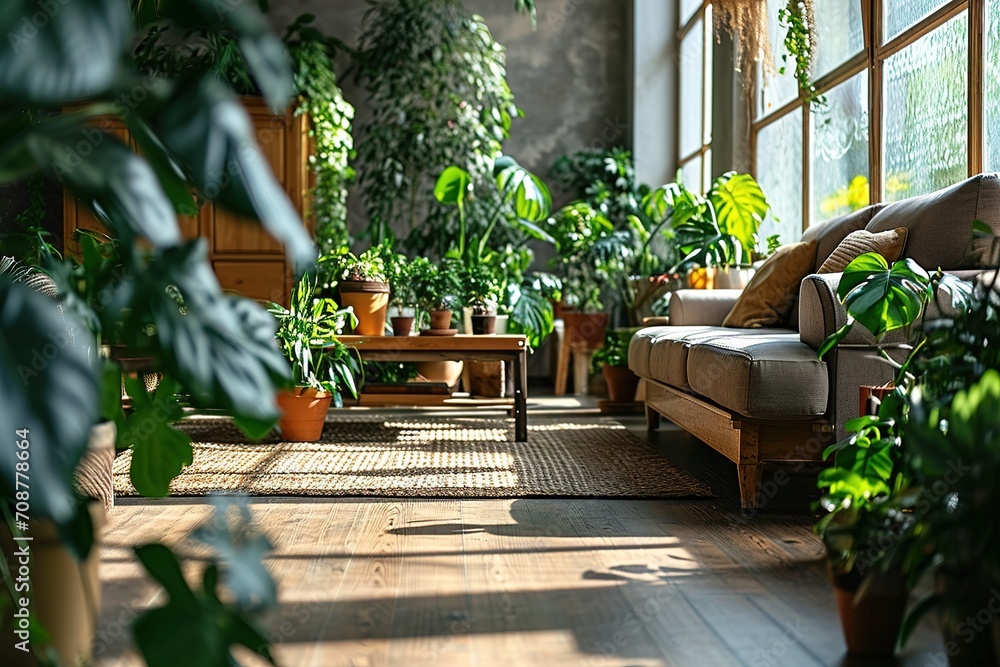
(524, 582)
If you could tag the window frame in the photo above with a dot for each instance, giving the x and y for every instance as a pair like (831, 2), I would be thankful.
(872, 58)
(701, 17)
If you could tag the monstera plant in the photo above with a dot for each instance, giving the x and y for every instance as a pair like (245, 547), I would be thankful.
(194, 137)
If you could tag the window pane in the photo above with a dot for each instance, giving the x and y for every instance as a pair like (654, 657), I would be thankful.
(778, 89)
(688, 8)
(992, 82)
(707, 74)
(691, 174)
(692, 77)
(901, 14)
(779, 172)
(840, 34)
(840, 151)
(926, 118)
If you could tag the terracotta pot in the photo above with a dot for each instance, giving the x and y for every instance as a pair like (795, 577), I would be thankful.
(402, 325)
(622, 383)
(866, 392)
(871, 623)
(440, 371)
(303, 414)
(440, 319)
(65, 592)
(588, 328)
(483, 325)
(370, 302)
(966, 595)
(558, 309)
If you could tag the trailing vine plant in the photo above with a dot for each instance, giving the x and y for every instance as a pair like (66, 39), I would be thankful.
(438, 97)
(798, 17)
(331, 116)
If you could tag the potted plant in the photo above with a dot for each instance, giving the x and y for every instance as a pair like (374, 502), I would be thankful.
(192, 135)
(482, 289)
(322, 366)
(612, 359)
(436, 286)
(715, 233)
(861, 489)
(362, 284)
(403, 297)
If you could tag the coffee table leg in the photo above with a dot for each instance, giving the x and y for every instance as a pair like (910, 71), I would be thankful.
(521, 397)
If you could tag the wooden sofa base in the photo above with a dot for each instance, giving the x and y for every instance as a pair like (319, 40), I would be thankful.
(748, 443)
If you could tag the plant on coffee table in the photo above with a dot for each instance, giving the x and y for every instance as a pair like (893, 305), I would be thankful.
(362, 282)
(436, 285)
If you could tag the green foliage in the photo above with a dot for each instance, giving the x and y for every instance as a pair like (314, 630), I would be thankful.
(437, 285)
(438, 97)
(884, 299)
(211, 623)
(481, 287)
(605, 178)
(307, 334)
(798, 19)
(614, 352)
(342, 264)
(717, 229)
(330, 116)
(399, 274)
(577, 229)
(159, 451)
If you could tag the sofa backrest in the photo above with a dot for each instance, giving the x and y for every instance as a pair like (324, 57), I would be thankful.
(939, 224)
(829, 234)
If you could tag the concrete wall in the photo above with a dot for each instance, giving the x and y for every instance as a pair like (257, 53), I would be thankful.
(570, 76)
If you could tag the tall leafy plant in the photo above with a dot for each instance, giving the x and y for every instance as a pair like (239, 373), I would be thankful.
(437, 91)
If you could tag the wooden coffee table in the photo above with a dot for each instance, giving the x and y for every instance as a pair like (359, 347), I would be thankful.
(458, 347)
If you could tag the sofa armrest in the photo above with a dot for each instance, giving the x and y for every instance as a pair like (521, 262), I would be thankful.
(700, 306)
(821, 312)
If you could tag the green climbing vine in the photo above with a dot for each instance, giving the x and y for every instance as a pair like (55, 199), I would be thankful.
(331, 117)
(798, 19)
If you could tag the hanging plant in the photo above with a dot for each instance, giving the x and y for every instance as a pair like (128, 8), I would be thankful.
(798, 18)
(331, 116)
(746, 22)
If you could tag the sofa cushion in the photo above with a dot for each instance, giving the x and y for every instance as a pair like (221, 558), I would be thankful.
(770, 376)
(940, 224)
(638, 348)
(829, 234)
(668, 355)
(767, 301)
(888, 244)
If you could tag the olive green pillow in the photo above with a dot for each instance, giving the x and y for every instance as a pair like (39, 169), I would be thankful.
(889, 244)
(767, 301)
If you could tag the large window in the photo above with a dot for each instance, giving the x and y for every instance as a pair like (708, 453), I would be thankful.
(695, 99)
(909, 107)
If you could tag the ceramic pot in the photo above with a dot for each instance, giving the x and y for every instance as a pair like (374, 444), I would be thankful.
(303, 413)
(402, 325)
(440, 319)
(871, 623)
(732, 277)
(502, 321)
(867, 392)
(65, 592)
(622, 383)
(484, 325)
(370, 302)
(587, 328)
(440, 371)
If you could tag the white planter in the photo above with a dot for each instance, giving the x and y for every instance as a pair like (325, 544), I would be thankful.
(731, 277)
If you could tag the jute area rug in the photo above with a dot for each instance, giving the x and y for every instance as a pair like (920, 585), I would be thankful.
(428, 457)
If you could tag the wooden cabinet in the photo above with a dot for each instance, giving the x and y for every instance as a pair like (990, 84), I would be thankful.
(245, 258)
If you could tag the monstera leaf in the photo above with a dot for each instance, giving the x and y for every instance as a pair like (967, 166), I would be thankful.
(530, 196)
(452, 186)
(57, 51)
(50, 400)
(208, 131)
(740, 207)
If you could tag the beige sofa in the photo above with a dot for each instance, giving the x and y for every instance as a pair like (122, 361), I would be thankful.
(761, 396)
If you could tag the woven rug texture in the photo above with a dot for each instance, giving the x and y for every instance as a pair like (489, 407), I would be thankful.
(427, 457)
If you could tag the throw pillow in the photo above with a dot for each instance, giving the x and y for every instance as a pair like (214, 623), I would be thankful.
(768, 299)
(889, 244)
